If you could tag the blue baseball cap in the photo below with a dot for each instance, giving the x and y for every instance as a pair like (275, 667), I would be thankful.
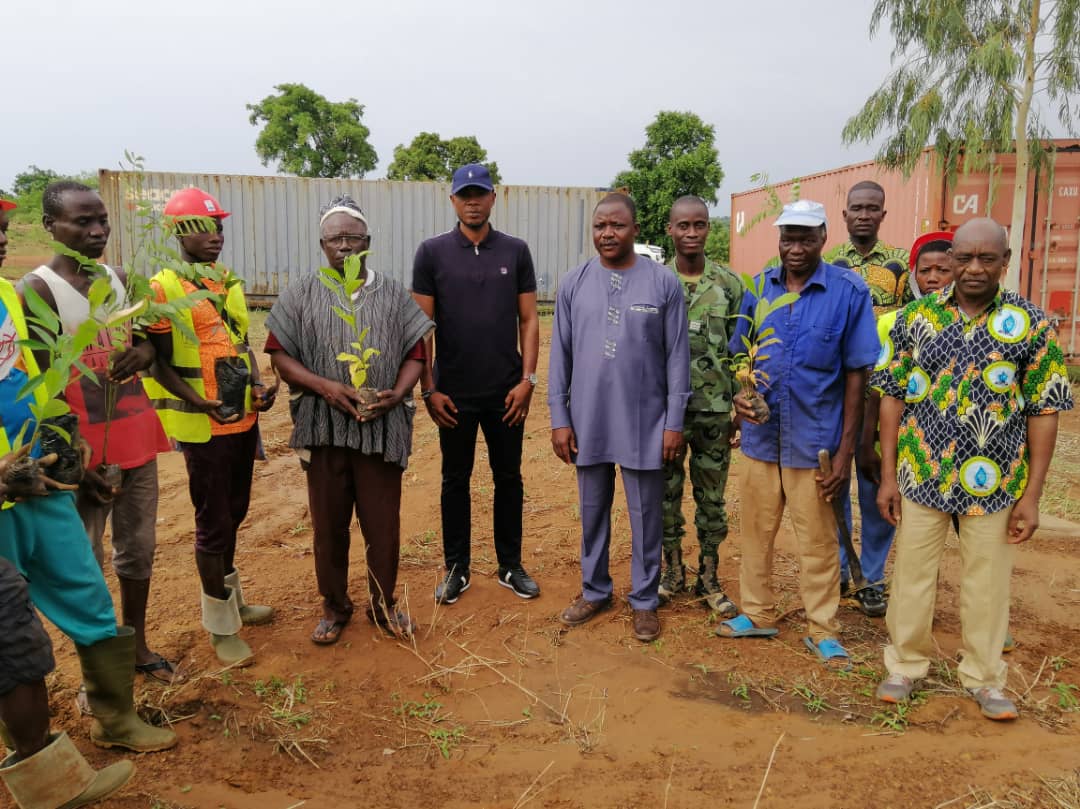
(472, 174)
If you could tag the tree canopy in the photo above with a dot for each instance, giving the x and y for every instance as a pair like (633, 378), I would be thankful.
(29, 186)
(309, 136)
(974, 79)
(679, 157)
(429, 157)
(718, 244)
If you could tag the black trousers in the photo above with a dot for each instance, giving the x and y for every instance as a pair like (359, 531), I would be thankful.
(340, 482)
(504, 453)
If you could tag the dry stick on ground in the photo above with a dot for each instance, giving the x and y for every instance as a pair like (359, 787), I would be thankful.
(667, 786)
(531, 694)
(522, 800)
(155, 699)
(765, 777)
(434, 615)
(1035, 682)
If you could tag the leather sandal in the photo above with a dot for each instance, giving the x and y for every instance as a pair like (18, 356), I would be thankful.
(327, 632)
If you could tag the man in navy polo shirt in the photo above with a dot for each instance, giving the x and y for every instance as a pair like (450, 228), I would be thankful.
(816, 384)
(479, 287)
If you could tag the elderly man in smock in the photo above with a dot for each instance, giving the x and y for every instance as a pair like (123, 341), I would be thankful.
(618, 387)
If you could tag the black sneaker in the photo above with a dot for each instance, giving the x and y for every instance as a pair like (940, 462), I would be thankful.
(519, 581)
(872, 602)
(450, 589)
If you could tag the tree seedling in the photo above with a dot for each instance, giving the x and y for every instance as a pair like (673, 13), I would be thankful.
(744, 364)
(346, 286)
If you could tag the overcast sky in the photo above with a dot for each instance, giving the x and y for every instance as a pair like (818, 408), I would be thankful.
(558, 92)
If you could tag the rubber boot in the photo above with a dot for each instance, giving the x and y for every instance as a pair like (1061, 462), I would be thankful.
(108, 669)
(221, 618)
(59, 777)
(250, 614)
(708, 587)
(672, 576)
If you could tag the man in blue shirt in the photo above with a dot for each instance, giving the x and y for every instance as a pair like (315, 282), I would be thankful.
(816, 382)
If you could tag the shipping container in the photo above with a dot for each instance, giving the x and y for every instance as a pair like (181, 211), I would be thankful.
(1049, 266)
(273, 233)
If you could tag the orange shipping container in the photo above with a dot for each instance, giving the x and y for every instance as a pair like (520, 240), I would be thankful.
(1049, 268)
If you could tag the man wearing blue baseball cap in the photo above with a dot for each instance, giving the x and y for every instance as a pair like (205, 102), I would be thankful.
(479, 286)
(816, 380)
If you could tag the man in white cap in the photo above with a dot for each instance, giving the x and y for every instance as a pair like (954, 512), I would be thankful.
(816, 383)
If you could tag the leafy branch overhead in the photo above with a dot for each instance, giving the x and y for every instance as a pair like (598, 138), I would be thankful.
(974, 79)
(310, 136)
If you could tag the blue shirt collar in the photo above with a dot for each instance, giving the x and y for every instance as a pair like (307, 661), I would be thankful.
(818, 278)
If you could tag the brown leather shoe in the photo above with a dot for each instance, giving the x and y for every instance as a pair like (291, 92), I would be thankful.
(646, 625)
(582, 611)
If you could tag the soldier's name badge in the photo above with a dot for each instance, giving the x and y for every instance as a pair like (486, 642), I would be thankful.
(695, 326)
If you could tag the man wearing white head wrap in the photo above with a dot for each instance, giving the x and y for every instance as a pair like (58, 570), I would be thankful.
(354, 463)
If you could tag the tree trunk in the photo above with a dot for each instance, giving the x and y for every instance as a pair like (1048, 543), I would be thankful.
(1023, 155)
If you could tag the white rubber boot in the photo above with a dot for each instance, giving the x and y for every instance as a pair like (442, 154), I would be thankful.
(59, 776)
(250, 614)
(222, 620)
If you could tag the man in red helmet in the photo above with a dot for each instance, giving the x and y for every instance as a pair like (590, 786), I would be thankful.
(115, 417)
(207, 394)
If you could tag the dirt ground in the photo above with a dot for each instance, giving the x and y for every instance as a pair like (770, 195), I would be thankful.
(496, 705)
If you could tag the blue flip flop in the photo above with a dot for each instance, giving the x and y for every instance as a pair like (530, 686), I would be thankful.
(742, 627)
(831, 653)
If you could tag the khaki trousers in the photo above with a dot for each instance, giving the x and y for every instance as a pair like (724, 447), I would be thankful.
(766, 488)
(986, 561)
(133, 514)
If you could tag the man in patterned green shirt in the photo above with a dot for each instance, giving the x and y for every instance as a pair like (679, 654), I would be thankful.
(713, 295)
(972, 385)
(883, 267)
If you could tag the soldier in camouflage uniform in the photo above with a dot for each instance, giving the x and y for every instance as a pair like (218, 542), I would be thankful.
(713, 296)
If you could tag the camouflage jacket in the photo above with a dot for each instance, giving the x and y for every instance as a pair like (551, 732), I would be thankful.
(711, 303)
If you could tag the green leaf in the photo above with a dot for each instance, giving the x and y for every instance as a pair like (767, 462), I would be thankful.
(60, 431)
(30, 385)
(343, 357)
(348, 317)
(42, 312)
(54, 408)
(86, 372)
(18, 443)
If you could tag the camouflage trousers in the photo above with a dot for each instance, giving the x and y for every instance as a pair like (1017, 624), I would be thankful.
(707, 445)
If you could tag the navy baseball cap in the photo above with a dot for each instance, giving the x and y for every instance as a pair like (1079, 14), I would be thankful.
(472, 174)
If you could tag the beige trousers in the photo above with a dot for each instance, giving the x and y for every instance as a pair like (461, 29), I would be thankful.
(986, 561)
(766, 488)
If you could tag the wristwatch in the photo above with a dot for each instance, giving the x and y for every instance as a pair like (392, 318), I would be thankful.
(531, 379)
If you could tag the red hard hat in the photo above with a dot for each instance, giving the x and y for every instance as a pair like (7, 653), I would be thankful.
(7, 205)
(193, 202)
